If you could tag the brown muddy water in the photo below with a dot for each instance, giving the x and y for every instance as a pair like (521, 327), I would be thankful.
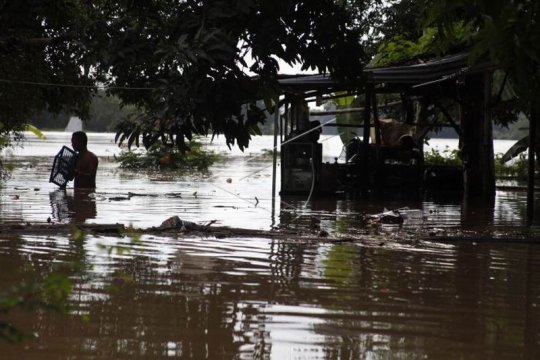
(253, 298)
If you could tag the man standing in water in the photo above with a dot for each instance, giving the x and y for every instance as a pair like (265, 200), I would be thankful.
(87, 162)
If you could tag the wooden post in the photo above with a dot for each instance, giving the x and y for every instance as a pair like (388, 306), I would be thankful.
(477, 138)
(531, 170)
(488, 159)
(421, 129)
(376, 121)
(367, 115)
(274, 153)
(367, 130)
(286, 115)
(378, 160)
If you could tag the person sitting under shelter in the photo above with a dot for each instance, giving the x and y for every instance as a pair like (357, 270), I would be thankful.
(396, 134)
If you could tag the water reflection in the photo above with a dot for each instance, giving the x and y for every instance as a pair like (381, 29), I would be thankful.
(477, 213)
(264, 299)
(250, 298)
(77, 205)
(236, 192)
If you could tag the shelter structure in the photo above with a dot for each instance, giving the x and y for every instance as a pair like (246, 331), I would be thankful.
(395, 109)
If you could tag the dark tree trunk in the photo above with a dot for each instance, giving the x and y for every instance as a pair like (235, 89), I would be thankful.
(477, 138)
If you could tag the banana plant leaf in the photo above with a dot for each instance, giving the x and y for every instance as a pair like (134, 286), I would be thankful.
(516, 149)
(346, 133)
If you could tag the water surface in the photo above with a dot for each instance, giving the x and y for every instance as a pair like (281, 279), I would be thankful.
(153, 297)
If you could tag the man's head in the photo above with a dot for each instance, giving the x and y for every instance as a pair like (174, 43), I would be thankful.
(79, 140)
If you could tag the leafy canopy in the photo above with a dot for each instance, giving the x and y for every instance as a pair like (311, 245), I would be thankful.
(507, 31)
(183, 63)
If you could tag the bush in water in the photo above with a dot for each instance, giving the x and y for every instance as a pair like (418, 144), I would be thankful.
(161, 156)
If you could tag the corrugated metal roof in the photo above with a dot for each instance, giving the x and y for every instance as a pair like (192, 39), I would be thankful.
(408, 76)
(420, 73)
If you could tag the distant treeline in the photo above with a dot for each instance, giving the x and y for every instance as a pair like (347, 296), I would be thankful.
(105, 113)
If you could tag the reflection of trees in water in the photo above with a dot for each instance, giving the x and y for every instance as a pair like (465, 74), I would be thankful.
(194, 310)
(320, 213)
(440, 301)
(282, 286)
(38, 282)
(285, 269)
(438, 209)
(469, 301)
(156, 313)
(511, 208)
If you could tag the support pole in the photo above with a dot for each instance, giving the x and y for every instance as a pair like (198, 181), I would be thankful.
(532, 147)
(367, 115)
(477, 139)
(367, 130)
(274, 158)
(378, 160)
(376, 122)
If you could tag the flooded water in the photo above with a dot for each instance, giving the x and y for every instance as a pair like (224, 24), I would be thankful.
(236, 191)
(253, 298)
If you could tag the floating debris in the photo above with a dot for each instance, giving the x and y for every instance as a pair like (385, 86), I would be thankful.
(323, 233)
(131, 194)
(118, 198)
(174, 222)
(389, 217)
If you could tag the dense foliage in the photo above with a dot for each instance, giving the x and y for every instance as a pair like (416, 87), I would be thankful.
(502, 33)
(506, 31)
(442, 157)
(184, 64)
(43, 42)
(516, 169)
(162, 157)
(188, 65)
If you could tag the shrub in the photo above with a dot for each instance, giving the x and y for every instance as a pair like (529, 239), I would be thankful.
(160, 156)
(517, 168)
(445, 157)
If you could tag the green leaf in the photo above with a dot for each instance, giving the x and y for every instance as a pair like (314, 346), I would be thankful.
(35, 131)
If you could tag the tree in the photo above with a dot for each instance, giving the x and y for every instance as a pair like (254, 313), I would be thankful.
(196, 61)
(183, 63)
(507, 31)
(43, 42)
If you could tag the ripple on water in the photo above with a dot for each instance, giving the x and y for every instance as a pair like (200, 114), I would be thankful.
(150, 297)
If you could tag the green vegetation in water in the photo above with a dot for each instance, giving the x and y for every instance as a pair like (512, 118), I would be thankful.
(41, 287)
(47, 287)
(160, 156)
(518, 168)
(444, 157)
